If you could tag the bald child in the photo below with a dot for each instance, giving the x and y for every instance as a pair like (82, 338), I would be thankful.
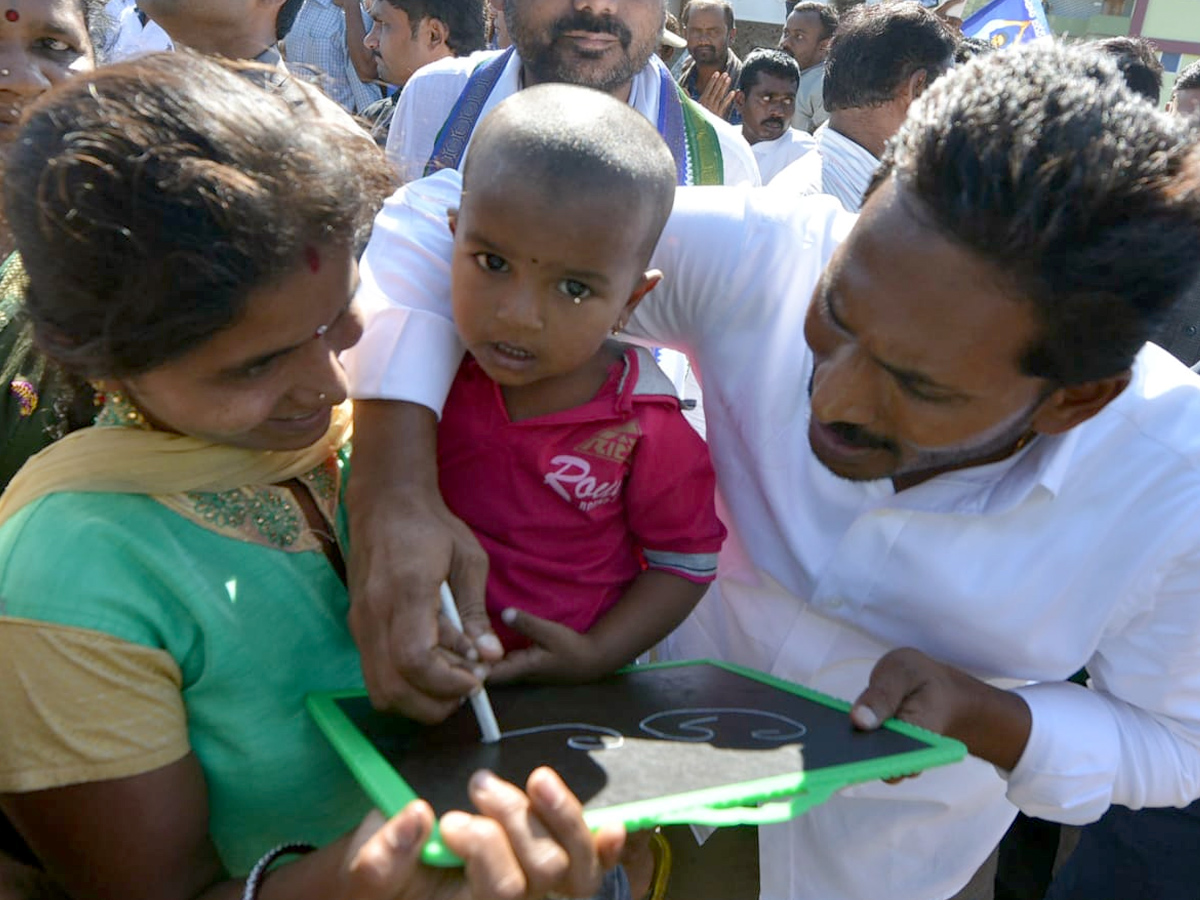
(563, 449)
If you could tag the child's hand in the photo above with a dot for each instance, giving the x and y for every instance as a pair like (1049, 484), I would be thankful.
(559, 653)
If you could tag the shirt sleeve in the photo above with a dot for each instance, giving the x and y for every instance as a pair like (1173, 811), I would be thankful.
(410, 348)
(671, 497)
(1133, 737)
(726, 254)
(82, 706)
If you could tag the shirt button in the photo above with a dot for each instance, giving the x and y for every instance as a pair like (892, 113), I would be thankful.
(1190, 330)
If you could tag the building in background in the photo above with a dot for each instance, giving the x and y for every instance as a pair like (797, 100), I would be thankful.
(1173, 26)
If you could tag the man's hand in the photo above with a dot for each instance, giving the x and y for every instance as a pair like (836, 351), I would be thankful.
(717, 95)
(404, 544)
(908, 685)
(559, 653)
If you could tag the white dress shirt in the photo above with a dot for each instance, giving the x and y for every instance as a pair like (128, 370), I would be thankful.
(431, 93)
(774, 156)
(1082, 549)
(840, 168)
(127, 37)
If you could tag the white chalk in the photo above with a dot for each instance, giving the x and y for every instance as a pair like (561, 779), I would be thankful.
(488, 726)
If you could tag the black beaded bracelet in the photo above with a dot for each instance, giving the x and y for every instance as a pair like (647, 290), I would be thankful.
(259, 873)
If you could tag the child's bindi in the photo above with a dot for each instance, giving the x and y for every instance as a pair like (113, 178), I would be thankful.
(12, 15)
(313, 258)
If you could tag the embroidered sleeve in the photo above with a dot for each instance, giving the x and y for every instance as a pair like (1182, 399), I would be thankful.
(671, 503)
(83, 706)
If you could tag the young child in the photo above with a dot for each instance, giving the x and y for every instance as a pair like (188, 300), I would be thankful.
(565, 450)
(172, 578)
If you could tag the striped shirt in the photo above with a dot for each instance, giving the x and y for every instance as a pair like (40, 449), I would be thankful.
(317, 52)
(840, 168)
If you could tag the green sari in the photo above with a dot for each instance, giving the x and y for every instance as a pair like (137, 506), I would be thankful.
(40, 403)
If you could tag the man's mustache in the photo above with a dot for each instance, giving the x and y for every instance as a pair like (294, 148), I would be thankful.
(857, 436)
(777, 120)
(584, 20)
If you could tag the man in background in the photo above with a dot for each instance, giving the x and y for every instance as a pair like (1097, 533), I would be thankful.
(238, 29)
(713, 72)
(807, 33)
(881, 59)
(408, 34)
(325, 46)
(1185, 95)
(766, 102)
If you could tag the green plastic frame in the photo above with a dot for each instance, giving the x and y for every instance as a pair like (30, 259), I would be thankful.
(759, 802)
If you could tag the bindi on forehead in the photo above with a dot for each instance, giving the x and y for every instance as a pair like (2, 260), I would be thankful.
(12, 15)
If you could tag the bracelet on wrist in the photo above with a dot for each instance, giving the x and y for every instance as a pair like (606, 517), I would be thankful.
(259, 873)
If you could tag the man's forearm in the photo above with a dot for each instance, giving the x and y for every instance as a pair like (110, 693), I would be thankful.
(360, 56)
(395, 454)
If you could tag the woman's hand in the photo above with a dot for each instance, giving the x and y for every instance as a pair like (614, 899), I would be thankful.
(522, 845)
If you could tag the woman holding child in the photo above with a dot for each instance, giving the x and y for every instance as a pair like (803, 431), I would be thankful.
(172, 579)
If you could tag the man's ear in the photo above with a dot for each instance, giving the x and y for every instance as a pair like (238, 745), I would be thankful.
(739, 101)
(732, 34)
(452, 219)
(1070, 406)
(823, 44)
(917, 82)
(438, 33)
(645, 284)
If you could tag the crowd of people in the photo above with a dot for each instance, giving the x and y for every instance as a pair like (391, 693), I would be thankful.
(309, 307)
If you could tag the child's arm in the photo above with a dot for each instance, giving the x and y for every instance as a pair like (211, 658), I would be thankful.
(650, 609)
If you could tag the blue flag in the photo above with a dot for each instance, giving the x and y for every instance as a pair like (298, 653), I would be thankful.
(1003, 23)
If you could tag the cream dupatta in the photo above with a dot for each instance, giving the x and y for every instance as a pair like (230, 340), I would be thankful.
(112, 459)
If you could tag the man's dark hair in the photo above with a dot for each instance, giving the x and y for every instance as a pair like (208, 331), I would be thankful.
(465, 20)
(724, 5)
(1188, 80)
(1138, 63)
(878, 48)
(287, 18)
(825, 11)
(768, 62)
(149, 199)
(1084, 200)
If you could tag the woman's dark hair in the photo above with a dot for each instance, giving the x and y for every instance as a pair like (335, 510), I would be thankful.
(1086, 201)
(149, 199)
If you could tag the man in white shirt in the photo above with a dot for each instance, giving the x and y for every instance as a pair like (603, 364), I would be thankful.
(880, 60)
(604, 44)
(326, 46)
(962, 446)
(766, 101)
(809, 28)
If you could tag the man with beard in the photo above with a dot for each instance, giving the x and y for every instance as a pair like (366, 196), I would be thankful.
(713, 71)
(881, 59)
(809, 28)
(956, 478)
(604, 44)
(766, 101)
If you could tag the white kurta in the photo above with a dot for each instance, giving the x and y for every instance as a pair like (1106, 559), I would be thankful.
(431, 93)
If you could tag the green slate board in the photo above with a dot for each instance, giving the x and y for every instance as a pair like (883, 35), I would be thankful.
(697, 742)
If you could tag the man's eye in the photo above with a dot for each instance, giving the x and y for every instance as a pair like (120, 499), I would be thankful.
(55, 45)
(576, 290)
(490, 262)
